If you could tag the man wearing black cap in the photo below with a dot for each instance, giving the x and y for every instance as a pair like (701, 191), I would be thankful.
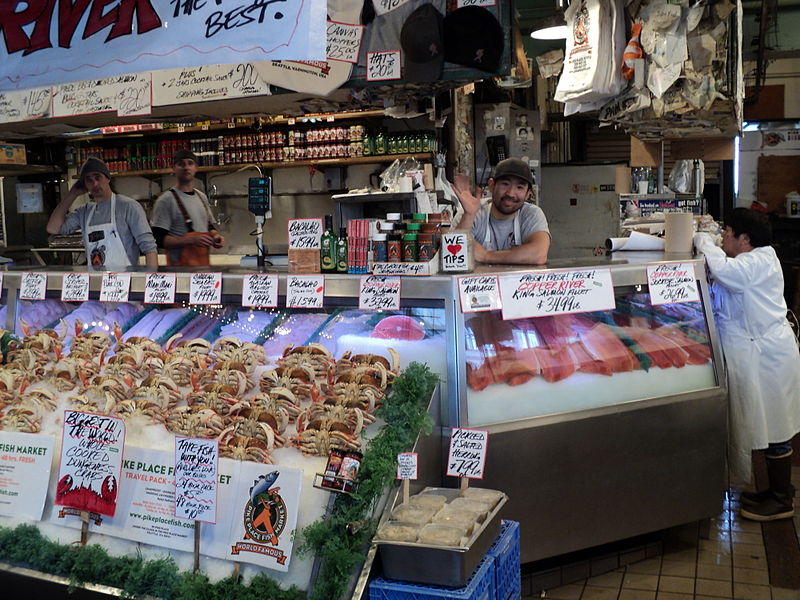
(114, 227)
(509, 230)
(182, 220)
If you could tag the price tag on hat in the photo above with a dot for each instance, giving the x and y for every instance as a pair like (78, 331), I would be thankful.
(382, 66)
(467, 454)
(75, 287)
(463, 3)
(384, 6)
(343, 43)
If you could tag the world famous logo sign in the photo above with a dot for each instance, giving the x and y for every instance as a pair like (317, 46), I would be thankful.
(264, 519)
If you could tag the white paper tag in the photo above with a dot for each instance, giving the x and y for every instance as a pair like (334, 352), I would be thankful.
(75, 287)
(467, 454)
(541, 293)
(33, 286)
(479, 293)
(402, 268)
(304, 234)
(384, 65)
(259, 291)
(159, 288)
(463, 3)
(115, 287)
(196, 463)
(454, 252)
(344, 40)
(305, 291)
(407, 465)
(672, 282)
(205, 288)
(384, 6)
(379, 293)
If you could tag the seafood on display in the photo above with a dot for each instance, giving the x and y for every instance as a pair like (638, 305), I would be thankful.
(194, 422)
(244, 448)
(233, 350)
(315, 357)
(300, 380)
(21, 419)
(333, 418)
(320, 442)
(377, 363)
(353, 390)
(233, 374)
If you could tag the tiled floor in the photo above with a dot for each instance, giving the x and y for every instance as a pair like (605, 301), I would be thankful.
(730, 563)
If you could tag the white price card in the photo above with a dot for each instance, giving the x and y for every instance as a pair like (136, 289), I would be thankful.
(91, 462)
(115, 287)
(467, 454)
(196, 463)
(384, 65)
(541, 293)
(304, 234)
(384, 6)
(205, 288)
(672, 282)
(32, 286)
(260, 291)
(454, 252)
(305, 291)
(344, 40)
(463, 3)
(407, 465)
(479, 293)
(378, 292)
(159, 288)
(75, 287)
(25, 460)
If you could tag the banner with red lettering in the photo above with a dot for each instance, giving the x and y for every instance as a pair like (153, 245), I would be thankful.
(46, 42)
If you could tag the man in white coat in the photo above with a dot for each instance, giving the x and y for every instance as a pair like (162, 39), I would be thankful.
(761, 355)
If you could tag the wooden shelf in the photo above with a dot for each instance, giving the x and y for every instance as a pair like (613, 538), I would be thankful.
(11, 170)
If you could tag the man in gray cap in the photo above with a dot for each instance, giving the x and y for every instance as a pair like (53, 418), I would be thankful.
(115, 229)
(508, 230)
(182, 220)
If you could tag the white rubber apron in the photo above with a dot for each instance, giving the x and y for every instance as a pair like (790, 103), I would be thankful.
(108, 251)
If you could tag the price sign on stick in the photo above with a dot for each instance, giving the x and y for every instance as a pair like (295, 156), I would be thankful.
(379, 293)
(260, 291)
(305, 291)
(407, 465)
(75, 287)
(304, 234)
(32, 286)
(672, 282)
(196, 479)
(159, 288)
(467, 453)
(115, 287)
(205, 288)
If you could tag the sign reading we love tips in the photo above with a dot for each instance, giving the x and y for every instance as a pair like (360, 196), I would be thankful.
(672, 282)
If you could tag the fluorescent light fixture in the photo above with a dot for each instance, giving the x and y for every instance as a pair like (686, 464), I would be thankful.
(552, 27)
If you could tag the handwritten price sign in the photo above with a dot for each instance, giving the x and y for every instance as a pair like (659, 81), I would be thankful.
(115, 287)
(383, 65)
(159, 288)
(463, 3)
(379, 293)
(384, 6)
(672, 282)
(33, 286)
(205, 288)
(467, 453)
(344, 40)
(542, 293)
(196, 479)
(479, 293)
(260, 290)
(304, 234)
(75, 287)
(305, 291)
(407, 465)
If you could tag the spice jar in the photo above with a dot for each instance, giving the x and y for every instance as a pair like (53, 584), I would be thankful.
(394, 248)
(332, 468)
(349, 469)
(410, 250)
(379, 248)
(425, 247)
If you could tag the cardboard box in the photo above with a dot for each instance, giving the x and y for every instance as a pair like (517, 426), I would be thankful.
(12, 154)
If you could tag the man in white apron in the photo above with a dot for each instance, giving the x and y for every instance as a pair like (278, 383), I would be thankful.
(115, 228)
(509, 230)
(761, 356)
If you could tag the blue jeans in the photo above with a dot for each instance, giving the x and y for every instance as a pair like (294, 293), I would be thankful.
(780, 449)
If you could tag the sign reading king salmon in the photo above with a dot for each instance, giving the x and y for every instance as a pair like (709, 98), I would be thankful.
(45, 42)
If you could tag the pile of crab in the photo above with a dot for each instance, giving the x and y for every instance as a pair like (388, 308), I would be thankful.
(194, 388)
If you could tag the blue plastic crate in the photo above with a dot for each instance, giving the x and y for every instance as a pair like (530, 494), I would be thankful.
(479, 587)
(505, 552)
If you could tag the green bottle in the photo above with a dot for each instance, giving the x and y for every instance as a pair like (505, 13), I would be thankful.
(327, 247)
(341, 251)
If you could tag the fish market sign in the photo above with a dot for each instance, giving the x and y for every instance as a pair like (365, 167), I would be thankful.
(541, 293)
(45, 42)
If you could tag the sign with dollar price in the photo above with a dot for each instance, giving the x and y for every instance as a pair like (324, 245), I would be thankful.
(378, 292)
(407, 465)
(384, 6)
(384, 65)
(304, 234)
(672, 282)
(75, 287)
(344, 40)
(196, 462)
(463, 3)
(115, 287)
(467, 454)
(479, 293)
(260, 291)
(159, 288)
(32, 286)
(205, 288)
(541, 293)
(305, 291)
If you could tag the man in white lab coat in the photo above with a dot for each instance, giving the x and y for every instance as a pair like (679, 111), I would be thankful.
(761, 355)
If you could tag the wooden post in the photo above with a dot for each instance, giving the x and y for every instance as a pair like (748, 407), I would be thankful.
(196, 547)
(406, 486)
(84, 527)
(463, 485)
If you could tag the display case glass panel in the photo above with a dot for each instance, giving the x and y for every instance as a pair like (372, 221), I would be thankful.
(532, 367)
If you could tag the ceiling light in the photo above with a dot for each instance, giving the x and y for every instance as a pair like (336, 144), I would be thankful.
(553, 27)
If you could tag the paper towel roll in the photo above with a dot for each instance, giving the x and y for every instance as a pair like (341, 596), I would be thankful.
(678, 232)
(637, 241)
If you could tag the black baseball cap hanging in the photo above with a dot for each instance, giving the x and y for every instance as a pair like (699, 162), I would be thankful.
(473, 37)
(421, 40)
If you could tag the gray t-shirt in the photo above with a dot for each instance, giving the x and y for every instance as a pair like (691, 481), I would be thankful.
(531, 220)
(167, 215)
(132, 227)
